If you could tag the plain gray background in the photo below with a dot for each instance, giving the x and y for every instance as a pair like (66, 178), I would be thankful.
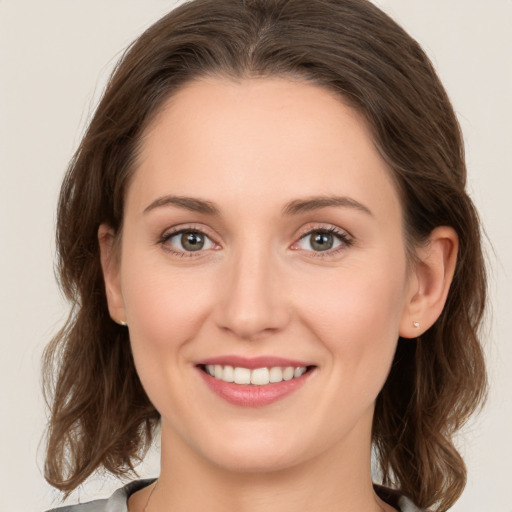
(54, 58)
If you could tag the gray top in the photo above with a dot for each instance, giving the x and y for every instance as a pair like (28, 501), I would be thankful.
(118, 502)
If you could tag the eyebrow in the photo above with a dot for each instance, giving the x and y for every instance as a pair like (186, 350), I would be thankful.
(192, 204)
(295, 207)
(316, 203)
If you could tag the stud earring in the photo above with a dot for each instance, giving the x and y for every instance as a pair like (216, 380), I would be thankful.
(122, 323)
(416, 324)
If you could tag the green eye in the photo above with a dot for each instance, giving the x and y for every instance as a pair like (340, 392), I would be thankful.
(192, 241)
(188, 240)
(323, 240)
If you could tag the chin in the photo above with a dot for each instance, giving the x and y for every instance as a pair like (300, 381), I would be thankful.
(260, 453)
(256, 461)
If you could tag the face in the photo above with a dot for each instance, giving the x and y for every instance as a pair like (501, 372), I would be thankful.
(262, 242)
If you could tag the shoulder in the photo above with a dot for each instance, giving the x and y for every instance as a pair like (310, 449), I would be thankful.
(118, 502)
(396, 500)
(406, 505)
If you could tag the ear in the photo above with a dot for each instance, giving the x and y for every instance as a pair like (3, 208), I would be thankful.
(111, 273)
(430, 282)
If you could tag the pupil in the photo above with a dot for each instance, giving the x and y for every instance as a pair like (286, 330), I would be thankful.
(192, 241)
(322, 241)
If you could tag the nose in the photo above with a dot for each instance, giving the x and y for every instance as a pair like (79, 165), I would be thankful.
(252, 299)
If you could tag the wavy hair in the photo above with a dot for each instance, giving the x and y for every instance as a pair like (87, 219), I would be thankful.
(100, 415)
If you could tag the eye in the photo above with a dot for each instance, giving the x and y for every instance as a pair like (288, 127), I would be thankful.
(187, 240)
(323, 240)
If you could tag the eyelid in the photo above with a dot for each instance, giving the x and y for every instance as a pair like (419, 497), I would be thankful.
(345, 238)
(169, 233)
(322, 226)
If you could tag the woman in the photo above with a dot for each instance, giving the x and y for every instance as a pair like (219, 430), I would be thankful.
(271, 254)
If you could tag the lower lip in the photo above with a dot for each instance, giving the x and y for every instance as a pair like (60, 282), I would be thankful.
(253, 396)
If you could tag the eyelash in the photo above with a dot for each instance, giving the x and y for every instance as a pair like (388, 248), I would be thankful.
(344, 239)
(166, 237)
(342, 236)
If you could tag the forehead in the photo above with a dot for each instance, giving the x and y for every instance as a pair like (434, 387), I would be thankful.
(271, 138)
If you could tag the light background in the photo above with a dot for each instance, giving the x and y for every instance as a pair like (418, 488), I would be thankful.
(55, 56)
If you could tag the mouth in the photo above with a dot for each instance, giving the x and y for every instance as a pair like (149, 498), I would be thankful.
(254, 376)
(254, 382)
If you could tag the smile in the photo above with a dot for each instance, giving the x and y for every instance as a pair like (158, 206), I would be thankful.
(254, 382)
(256, 376)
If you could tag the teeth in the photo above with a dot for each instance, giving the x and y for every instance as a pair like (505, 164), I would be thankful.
(260, 376)
(288, 373)
(228, 374)
(276, 374)
(256, 377)
(242, 375)
(299, 371)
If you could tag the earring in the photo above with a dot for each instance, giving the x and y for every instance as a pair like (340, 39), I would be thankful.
(122, 323)
(416, 324)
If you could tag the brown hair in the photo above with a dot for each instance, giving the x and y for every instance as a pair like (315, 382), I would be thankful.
(100, 415)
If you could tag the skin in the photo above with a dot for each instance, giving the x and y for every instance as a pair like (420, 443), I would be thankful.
(260, 288)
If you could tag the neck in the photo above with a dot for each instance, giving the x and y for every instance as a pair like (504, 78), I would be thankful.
(339, 479)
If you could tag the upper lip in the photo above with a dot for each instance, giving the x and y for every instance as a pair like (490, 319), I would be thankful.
(252, 362)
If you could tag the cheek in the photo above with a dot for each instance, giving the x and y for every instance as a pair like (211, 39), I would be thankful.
(165, 312)
(164, 309)
(356, 313)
